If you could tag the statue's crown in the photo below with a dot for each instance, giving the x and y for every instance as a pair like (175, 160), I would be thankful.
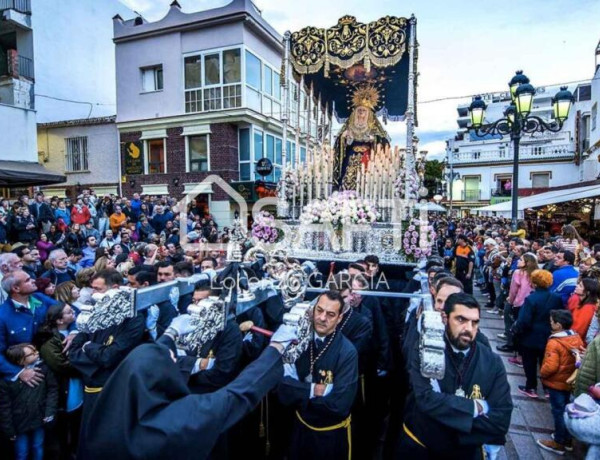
(365, 96)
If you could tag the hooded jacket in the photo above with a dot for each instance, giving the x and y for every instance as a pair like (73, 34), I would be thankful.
(559, 362)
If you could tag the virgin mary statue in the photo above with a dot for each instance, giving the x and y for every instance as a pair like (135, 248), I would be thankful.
(358, 138)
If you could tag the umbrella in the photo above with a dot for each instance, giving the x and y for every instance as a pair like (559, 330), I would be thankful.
(431, 207)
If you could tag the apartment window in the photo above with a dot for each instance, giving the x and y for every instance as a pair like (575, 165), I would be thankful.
(245, 163)
(253, 81)
(594, 114)
(152, 78)
(155, 156)
(540, 180)
(198, 153)
(77, 154)
(213, 81)
(584, 136)
(193, 72)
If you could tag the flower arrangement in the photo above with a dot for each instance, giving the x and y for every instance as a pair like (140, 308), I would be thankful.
(264, 230)
(339, 209)
(413, 185)
(417, 240)
(292, 183)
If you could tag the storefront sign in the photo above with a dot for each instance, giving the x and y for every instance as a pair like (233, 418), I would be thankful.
(264, 167)
(134, 158)
(245, 189)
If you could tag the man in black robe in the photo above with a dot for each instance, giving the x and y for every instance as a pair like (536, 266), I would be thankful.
(471, 406)
(157, 415)
(321, 387)
(111, 332)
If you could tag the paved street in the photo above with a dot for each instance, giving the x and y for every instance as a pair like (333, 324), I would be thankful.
(531, 419)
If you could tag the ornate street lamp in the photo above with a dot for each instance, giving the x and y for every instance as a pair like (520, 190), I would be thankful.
(518, 120)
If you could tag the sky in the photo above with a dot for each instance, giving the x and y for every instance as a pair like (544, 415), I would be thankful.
(465, 48)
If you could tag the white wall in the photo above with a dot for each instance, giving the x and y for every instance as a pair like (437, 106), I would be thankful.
(20, 145)
(74, 57)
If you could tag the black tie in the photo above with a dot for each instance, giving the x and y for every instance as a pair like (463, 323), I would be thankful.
(458, 358)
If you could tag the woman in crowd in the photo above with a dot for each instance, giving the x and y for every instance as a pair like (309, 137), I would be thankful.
(520, 288)
(26, 228)
(570, 240)
(45, 286)
(583, 304)
(63, 213)
(67, 293)
(532, 327)
(55, 236)
(49, 339)
(83, 281)
(44, 247)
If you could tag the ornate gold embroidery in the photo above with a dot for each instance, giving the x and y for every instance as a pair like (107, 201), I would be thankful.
(349, 179)
(380, 43)
(109, 341)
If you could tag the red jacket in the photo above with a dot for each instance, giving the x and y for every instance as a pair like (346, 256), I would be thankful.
(80, 216)
(582, 316)
(559, 362)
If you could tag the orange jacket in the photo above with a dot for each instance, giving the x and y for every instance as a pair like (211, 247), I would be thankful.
(116, 221)
(582, 316)
(559, 362)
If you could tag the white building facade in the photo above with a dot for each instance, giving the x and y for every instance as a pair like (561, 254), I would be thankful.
(56, 63)
(483, 166)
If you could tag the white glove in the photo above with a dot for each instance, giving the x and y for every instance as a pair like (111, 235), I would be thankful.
(248, 337)
(211, 363)
(289, 370)
(182, 324)
(285, 335)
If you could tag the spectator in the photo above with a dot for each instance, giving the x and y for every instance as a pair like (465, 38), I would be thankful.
(583, 305)
(62, 213)
(74, 238)
(41, 212)
(60, 272)
(532, 327)
(89, 252)
(44, 247)
(565, 276)
(23, 312)
(25, 410)
(83, 281)
(558, 365)
(45, 286)
(117, 220)
(26, 227)
(67, 293)
(74, 258)
(80, 214)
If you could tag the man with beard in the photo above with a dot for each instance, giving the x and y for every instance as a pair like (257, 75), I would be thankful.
(471, 406)
(320, 387)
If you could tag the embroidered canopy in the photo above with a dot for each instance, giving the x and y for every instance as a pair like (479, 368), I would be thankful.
(350, 55)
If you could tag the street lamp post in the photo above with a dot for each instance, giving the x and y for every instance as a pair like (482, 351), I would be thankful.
(450, 177)
(518, 120)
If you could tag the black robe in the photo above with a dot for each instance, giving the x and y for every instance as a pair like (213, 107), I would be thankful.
(358, 330)
(380, 341)
(107, 348)
(341, 359)
(444, 422)
(226, 348)
(158, 417)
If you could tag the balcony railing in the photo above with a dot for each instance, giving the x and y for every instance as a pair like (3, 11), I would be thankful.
(470, 195)
(26, 67)
(22, 6)
(500, 192)
(545, 152)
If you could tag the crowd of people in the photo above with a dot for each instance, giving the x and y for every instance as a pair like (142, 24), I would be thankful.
(150, 384)
(547, 290)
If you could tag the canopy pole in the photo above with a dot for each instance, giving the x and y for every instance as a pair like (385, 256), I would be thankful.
(282, 203)
(409, 162)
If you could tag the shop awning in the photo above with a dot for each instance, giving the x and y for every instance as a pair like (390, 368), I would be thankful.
(546, 198)
(27, 173)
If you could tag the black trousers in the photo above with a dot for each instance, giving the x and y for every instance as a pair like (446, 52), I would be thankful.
(532, 359)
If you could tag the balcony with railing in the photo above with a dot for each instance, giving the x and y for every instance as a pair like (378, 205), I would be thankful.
(22, 6)
(526, 153)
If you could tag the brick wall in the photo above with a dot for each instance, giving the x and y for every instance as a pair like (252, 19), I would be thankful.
(223, 161)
